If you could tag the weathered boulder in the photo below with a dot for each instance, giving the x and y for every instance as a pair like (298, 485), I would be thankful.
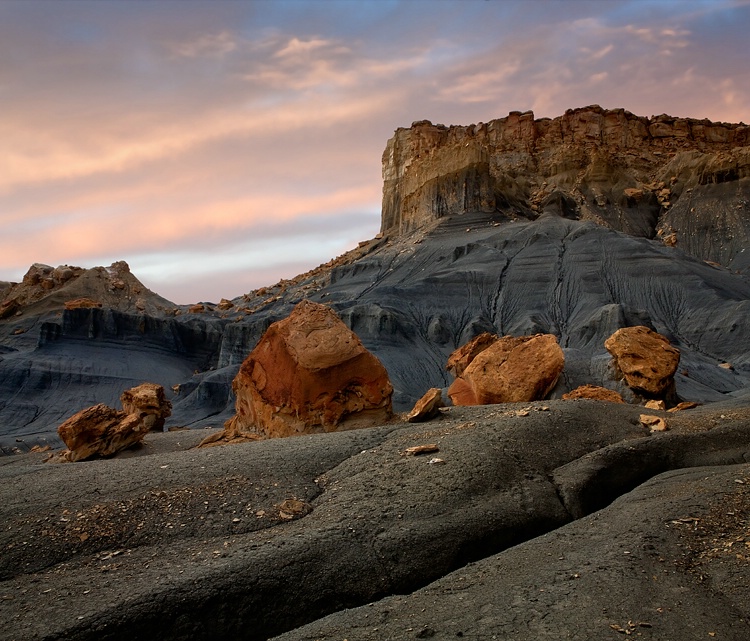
(103, 431)
(460, 359)
(595, 393)
(309, 373)
(427, 407)
(645, 359)
(100, 431)
(512, 369)
(149, 402)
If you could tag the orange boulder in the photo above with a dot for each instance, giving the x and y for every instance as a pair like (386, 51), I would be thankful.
(308, 373)
(104, 431)
(594, 392)
(426, 407)
(646, 359)
(511, 369)
(149, 402)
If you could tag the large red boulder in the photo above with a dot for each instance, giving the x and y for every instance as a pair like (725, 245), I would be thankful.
(645, 359)
(308, 373)
(511, 369)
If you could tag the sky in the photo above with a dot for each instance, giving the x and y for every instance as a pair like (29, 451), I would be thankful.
(220, 146)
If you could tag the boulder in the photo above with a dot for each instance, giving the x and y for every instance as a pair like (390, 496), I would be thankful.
(427, 407)
(100, 431)
(595, 393)
(460, 359)
(512, 369)
(149, 402)
(103, 431)
(309, 373)
(645, 359)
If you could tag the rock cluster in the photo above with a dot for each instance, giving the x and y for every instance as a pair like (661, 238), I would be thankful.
(103, 431)
(508, 369)
(308, 373)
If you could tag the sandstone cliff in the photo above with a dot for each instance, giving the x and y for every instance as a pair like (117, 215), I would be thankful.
(683, 180)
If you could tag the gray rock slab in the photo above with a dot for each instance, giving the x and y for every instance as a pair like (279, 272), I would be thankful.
(195, 544)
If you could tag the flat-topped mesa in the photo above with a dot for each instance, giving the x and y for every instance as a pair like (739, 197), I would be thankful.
(590, 163)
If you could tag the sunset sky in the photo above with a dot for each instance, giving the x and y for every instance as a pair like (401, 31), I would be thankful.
(219, 146)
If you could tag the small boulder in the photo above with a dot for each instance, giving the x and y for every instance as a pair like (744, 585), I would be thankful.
(308, 373)
(149, 401)
(653, 423)
(684, 405)
(594, 392)
(646, 359)
(512, 369)
(427, 407)
(100, 431)
(103, 431)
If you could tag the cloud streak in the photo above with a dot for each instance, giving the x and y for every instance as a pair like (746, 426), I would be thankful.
(171, 136)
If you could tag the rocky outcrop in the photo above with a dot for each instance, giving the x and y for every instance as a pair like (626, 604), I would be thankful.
(309, 373)
(511, 369)
(678, 177)
(595, 393)
(644, 358)
(104, 431)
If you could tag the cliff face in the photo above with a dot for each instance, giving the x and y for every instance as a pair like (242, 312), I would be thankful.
(683, 180)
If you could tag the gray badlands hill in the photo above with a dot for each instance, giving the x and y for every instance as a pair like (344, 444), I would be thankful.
(575, 226)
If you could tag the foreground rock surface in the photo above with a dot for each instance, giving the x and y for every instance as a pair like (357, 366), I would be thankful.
(646, 359)
(290, 530)
(309, 373)
(510, 370)
(104, 431)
